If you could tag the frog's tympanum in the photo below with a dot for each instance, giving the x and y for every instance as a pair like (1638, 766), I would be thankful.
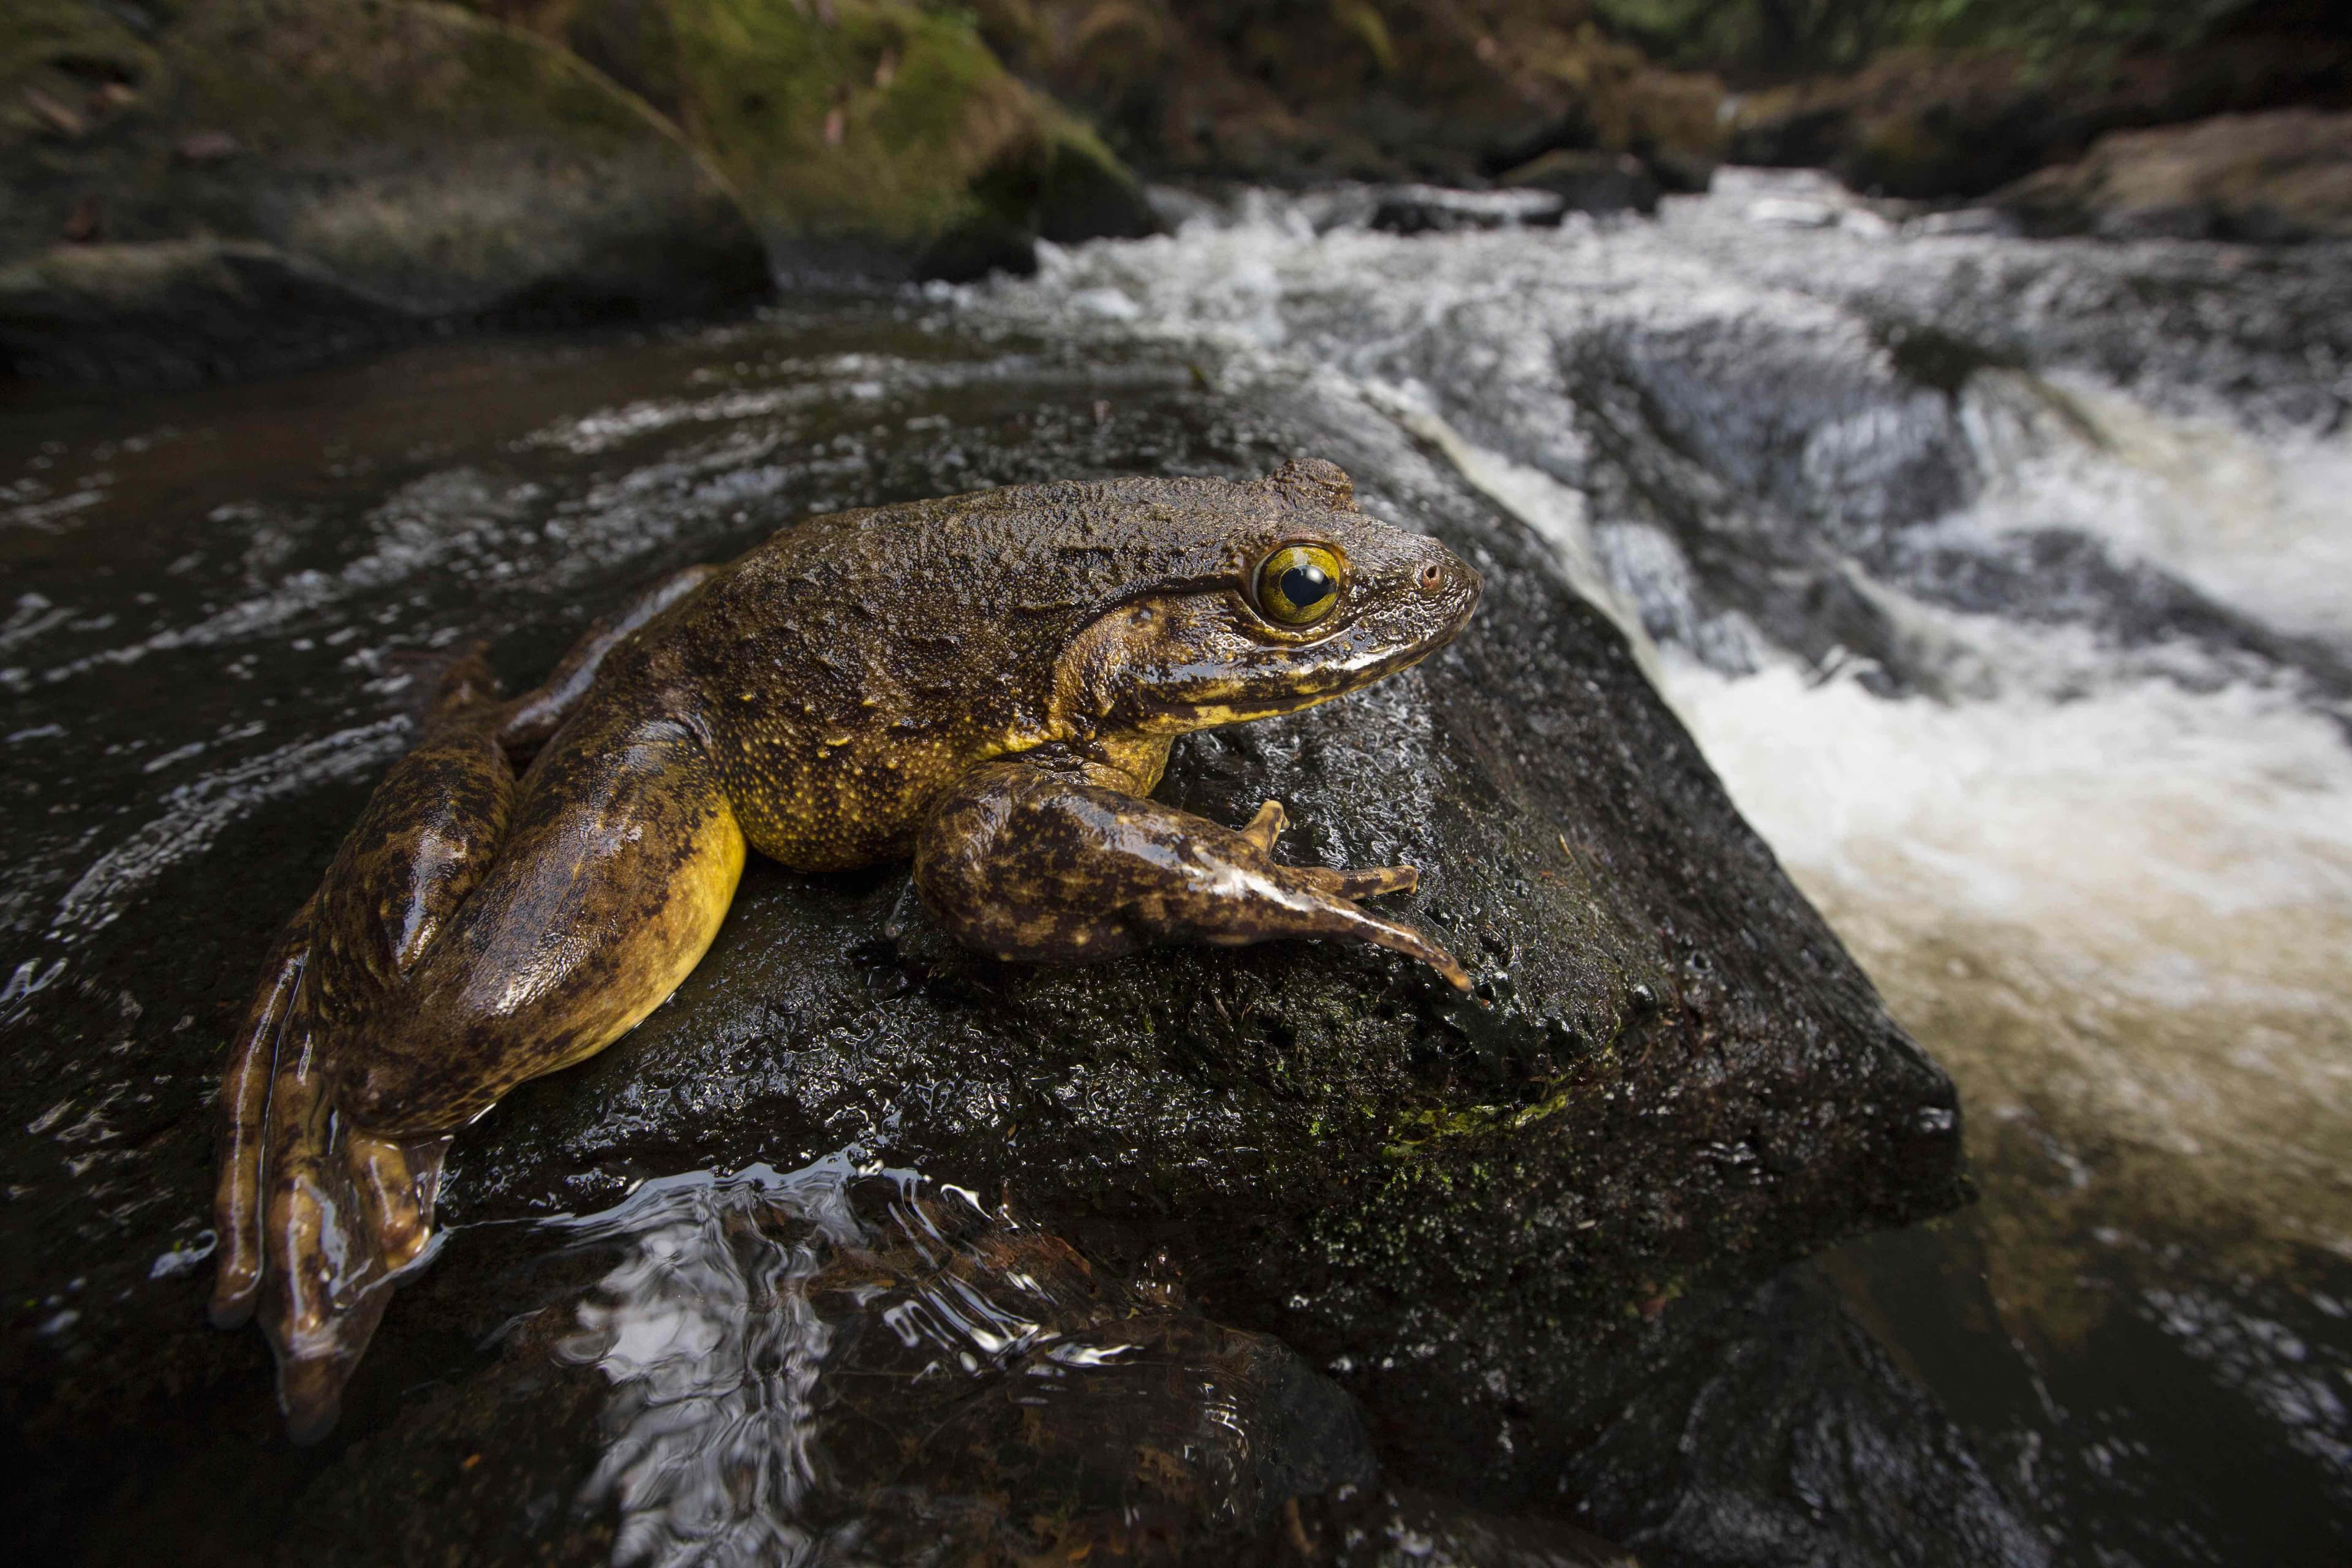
(988, 684)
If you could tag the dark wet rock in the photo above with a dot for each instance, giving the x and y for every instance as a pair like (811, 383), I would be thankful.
(836, 1362)
(1400, 1527)
(1672, 1076)
(2267, 178)
(275, 183)
(1783, 1433)
(1433, 209)
(1594, 181)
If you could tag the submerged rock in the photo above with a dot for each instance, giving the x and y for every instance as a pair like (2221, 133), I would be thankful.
(2267, 178)
(1782, 1431)
(261, 183)
(841, 1363)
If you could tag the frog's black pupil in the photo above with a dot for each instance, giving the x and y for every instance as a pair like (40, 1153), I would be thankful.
(1307, 586)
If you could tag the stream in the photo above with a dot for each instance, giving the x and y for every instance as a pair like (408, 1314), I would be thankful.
(2006, 586)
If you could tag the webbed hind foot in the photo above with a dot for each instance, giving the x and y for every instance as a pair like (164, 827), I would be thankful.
(346, 1218)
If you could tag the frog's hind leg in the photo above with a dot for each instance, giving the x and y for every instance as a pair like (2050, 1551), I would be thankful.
(1028, 863)
(319, 1219)
(531, 718)
(624, 836)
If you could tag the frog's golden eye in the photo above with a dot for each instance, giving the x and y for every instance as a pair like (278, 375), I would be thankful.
(1299, 584)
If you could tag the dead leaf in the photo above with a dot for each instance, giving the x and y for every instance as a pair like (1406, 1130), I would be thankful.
(60, 118)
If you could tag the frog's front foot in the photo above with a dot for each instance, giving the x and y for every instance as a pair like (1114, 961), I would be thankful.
(1366, 882)
(1024, 862)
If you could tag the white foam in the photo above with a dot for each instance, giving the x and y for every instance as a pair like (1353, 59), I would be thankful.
(2260, 522)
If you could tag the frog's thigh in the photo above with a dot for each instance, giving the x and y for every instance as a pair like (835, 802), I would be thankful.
(1025, 864)
(614, 879)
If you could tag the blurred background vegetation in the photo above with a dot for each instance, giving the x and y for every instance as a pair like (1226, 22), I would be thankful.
(1784, 37)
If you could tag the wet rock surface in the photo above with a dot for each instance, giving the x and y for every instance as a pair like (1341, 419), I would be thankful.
(1673, 1080)
(1467, 1217)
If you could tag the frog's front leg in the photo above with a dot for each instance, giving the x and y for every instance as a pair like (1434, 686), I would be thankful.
(1025, 860)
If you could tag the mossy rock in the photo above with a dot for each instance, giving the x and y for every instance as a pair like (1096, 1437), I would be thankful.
(264, 183)
(865, 136)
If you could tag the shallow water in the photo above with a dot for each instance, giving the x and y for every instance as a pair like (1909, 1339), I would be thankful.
(2006, 586)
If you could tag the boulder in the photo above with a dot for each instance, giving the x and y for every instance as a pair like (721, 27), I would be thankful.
(1286, 1173)
(259, 183)
(1671, 1075)
(874, 138)
(2267, 178)
(1930, 123)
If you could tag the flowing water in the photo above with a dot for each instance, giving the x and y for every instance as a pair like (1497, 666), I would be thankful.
(2007, 586)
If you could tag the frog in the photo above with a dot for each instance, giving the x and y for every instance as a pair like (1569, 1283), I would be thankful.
(986, 686)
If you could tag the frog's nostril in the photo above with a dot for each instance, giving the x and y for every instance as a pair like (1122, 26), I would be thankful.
(1432, 577)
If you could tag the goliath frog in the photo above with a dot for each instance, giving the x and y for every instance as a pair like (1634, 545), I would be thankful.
(988, 684)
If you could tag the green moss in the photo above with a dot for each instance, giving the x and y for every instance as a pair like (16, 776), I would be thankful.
(889, 127)
(1411, 1132)
(870, 129)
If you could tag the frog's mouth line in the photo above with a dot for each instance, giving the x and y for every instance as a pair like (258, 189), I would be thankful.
(1243, 700)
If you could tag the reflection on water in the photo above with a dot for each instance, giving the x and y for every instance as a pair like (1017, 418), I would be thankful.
(845, 1363)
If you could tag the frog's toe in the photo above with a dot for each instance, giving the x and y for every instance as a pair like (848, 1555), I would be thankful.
(335, 1208)
(328, 1290)
(1366, 882)
(395, 1181)
(1400, 938)
(1267, 827)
